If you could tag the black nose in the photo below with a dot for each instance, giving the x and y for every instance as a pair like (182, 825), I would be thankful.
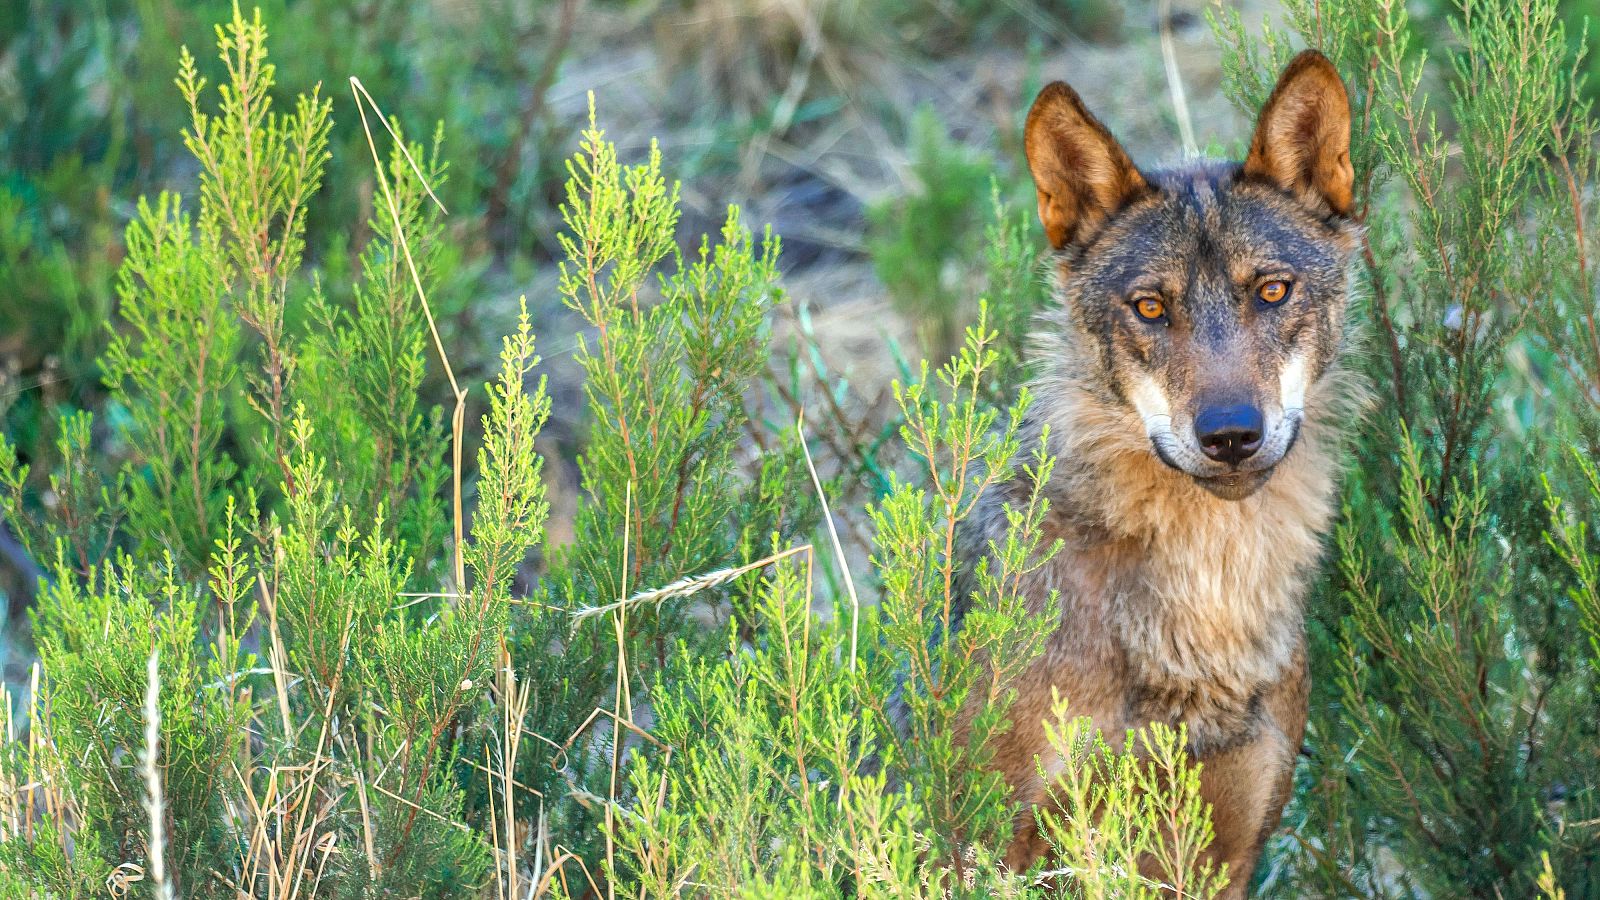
(1229, 434)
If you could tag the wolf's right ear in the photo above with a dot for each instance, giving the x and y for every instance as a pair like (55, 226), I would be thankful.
(1082, 173)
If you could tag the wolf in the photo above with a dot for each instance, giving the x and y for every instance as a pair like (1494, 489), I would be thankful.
(1191, 388)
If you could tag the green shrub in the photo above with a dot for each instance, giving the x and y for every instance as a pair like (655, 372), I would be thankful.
(925, 246)
(271, 662)
(302, 704)
(1451, 738)
(1115, 807)
(87, 125)
(818, 756)
(291, 642)
(664, 497)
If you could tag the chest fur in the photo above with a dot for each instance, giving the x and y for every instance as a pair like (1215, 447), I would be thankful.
(1192, 605)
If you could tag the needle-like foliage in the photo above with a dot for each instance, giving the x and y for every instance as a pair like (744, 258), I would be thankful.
(1452, 722)
(293, 641)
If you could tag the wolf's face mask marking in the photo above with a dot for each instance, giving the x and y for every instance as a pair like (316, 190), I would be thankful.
(1213, 295)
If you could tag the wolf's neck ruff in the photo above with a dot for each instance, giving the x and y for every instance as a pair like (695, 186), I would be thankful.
(1203, 594)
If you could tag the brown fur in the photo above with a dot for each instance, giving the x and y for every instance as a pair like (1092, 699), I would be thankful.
(1181, 579)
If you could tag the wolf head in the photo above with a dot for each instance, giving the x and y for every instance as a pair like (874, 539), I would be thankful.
(1208, 301)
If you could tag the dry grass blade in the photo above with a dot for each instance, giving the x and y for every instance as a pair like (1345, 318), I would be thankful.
(10, 816)
(458, 416)
(833, 537)
(685, 587)
(36, 744)
(556, 868)
(367, 836)
(1180, 99)
(514, 700)
(277, 656)
(492, 774)
(11, 789)
(494, 831)
(459, 826)
(624, 700)
(355, 84)
(155, 802)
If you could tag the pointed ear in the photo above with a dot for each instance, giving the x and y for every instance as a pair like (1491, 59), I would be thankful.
(1302, 141)
(1082, 173)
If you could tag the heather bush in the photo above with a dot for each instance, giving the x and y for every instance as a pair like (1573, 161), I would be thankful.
(1451, 745)
(287, 645)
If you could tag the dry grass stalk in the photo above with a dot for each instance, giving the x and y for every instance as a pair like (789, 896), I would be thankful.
(688, 586)
(459, 414)
(1180, 99)
(833, 536)
(154, 803)
(276, 656)
(10, 790)
(514, 700)
(623, 699)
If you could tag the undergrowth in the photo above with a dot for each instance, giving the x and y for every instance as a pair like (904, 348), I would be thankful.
(293, 640)
(298, 637)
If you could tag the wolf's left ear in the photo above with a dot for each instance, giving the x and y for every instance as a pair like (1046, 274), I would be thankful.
(1302, 141)
(1082, 173)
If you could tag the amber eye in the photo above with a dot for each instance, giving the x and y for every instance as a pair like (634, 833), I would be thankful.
(1149, 308)
(1273, 292)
